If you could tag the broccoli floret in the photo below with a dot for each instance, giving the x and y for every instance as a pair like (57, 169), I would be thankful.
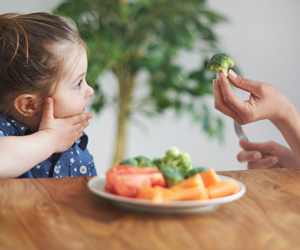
(176, 159)
(139, 161)
(172, 152)
(220, 62)
(143, 161)
(195, 171)
(130, 161)
(171, 176)
(158, 162)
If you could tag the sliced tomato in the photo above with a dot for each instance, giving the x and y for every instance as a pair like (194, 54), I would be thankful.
(147, 170)
(127, 180)
(118, 170)
(129, 185)
(123, 169)
(157, 179)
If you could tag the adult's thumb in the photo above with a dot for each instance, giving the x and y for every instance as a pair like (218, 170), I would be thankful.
(244, 83)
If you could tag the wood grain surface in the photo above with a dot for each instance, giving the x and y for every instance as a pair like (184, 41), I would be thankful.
(63, 214)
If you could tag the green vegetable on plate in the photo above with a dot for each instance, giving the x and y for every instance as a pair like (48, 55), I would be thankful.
(197, 170)
(139, 161)
(171, 176)
(176, 159)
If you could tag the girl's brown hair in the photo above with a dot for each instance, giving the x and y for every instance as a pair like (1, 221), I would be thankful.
(31, 59)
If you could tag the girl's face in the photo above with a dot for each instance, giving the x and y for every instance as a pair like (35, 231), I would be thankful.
(72, 93)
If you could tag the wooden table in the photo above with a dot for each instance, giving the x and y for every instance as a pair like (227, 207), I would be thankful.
(63, 214)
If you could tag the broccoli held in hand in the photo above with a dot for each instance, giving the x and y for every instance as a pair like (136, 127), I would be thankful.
(220, 62)
(176, 159)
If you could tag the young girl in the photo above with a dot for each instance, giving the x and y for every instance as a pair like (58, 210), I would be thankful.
(43, 96)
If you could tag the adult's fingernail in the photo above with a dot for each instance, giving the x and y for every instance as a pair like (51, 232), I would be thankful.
(257, 155)
(232, 73)
(214, 82)
(218, 75)
(275, 160)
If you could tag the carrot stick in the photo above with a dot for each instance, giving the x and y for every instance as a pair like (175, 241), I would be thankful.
(150, 193)
(223, 188)
(164, 191)
(193, 193)
(209, 177)
(193, 181)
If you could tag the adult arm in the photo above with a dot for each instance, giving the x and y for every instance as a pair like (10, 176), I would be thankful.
(265, 102)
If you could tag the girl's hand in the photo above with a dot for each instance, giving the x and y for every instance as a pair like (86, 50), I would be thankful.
(265, 101)
(63, 132)
(267, 155)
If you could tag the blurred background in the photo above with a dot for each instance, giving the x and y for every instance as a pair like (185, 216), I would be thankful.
(261, 36)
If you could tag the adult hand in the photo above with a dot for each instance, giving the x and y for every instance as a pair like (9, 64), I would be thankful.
(267, 155)
(63, 132)
(265, 101)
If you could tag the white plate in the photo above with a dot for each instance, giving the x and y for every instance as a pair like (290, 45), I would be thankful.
(97, 185)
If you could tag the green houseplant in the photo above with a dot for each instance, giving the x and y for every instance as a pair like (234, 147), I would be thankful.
(130, 37)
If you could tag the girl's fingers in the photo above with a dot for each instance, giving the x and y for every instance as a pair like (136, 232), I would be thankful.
(48, 108)
(82, 118)
(78, 136)
(79, 128)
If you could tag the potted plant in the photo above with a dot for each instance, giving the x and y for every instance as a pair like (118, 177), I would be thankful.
(130, 37)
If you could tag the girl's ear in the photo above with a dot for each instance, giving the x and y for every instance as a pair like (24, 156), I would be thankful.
(27, 105)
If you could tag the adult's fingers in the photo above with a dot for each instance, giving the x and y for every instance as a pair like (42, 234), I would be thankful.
(243, 83)
(235, 103)
(219, 102)
(248, 156)
(267, 162)
(256, 151)
(265, 147)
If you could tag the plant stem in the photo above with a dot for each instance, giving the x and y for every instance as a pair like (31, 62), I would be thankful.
(126, 85)
(123, 2)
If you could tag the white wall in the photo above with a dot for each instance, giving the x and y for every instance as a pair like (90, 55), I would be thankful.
(262, 37)
(27, 6)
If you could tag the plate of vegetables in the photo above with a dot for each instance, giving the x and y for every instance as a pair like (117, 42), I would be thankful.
(166, 185)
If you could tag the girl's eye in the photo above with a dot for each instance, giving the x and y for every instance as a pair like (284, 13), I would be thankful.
(78, 86)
